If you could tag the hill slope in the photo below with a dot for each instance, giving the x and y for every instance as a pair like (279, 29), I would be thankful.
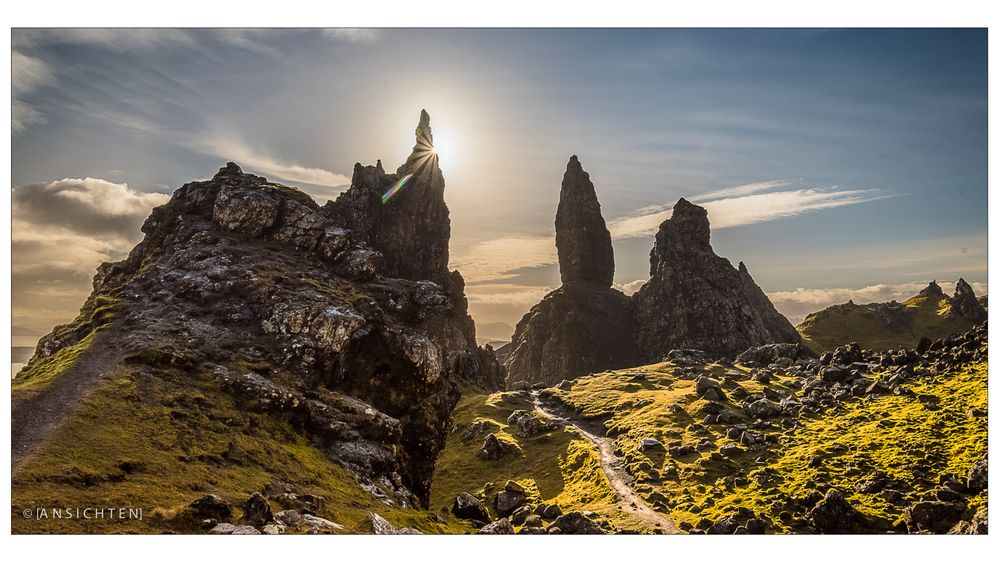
(882, 326)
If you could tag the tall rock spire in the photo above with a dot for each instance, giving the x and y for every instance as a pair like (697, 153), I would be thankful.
(584, 326)
(402, 215)
(585, 253)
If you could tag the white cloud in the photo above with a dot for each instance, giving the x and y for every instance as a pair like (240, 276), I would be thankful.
(27, 74)
(352, 35)
(631, 287)
(87, 206)
(800, 302)
(60, 232)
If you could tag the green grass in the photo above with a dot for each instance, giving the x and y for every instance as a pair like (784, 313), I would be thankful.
(841, 324)
(97, 313)
(158, 441)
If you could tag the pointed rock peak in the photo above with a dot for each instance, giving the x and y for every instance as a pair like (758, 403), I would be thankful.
(743, 269)
(932, 290)
(963, 288)
(965, 305)
(424, 134)
(585, 253)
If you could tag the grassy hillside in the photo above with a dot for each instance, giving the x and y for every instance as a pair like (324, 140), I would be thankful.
(862, 323)
(158, 440)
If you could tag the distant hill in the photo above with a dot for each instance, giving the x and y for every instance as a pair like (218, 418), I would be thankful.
(882, 326)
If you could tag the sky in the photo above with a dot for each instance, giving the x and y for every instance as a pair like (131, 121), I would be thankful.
(836, 164)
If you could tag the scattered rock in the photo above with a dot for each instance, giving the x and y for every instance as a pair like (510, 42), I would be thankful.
(211, 506)
(467, 506)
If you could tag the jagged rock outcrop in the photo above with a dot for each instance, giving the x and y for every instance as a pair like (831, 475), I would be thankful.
(411, 227)
(359, 339)
(585, 253)
(584, 326)
(696, 299)
(965, 305)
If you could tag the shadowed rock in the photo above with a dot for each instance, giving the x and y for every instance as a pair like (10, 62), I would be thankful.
(697, 300)
(965, 305)
(584, 326)
(585, 254)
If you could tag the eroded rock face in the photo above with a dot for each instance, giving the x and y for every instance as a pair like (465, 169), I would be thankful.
(585, 254)
(697, 300)
(965, 305)
(253, 284)
(412, 227)
(584, 326)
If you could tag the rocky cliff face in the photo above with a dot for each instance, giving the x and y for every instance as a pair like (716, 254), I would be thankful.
(303, 314)
(585, 326)
(696, 299)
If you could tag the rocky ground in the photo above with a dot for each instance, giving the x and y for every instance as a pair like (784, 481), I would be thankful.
(777, 441)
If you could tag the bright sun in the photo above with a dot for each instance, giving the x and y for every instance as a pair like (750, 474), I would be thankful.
(444, 148)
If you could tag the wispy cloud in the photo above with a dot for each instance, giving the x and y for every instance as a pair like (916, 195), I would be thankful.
(321, 183)
(118, 39)
(500, 258)
(746, 204)
(27, 74)
(731, 207)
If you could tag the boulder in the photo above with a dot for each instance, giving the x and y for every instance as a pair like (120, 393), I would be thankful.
(257, 511)
(498, 527)
(933, 516)
(575, 523)
(834, 515)
(211, 506)
(467, 506)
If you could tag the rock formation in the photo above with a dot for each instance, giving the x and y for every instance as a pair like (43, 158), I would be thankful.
(964, 304)
(696, 299)
(585, 254)
(584, 326)
(342, 319)
(412, 227)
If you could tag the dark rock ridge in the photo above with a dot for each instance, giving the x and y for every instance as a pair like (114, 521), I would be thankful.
(584, 326)
(695, 299)
(585, 254)
(351, 328)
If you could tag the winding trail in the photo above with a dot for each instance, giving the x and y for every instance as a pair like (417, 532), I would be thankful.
(613, 467)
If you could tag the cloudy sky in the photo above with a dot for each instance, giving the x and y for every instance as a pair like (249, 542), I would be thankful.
(836, 164)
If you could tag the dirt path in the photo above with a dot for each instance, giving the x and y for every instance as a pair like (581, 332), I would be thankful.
(613, 468)
(34, 417)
